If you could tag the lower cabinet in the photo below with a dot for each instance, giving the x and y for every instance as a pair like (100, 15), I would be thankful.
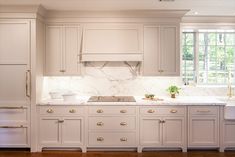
(161, 131)
(61, 131)
(203, 125)
(229, 134)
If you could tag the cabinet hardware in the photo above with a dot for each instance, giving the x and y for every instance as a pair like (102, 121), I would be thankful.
(203, 111)
(27, 86)
(21, 126)
(123, 139)
(100, 124)
(61, 121)
(99, 111)
(173, 111)
(151, 111)
(100, 139)
(160, 71)
(163, 121)
(50, 110)
(123, 123)
(62, 71)
(72, 111)
(6, 107)
(123, 111)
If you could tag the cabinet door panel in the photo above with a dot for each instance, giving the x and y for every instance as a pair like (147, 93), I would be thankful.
(150, 132)
(169, 56)
(72, 49)
(229, 133)
(203, 131)
(72, 131)
(151, 50)
(173, 131)
(14, 42)
(54, 51)
(13, 85)
(50, 131)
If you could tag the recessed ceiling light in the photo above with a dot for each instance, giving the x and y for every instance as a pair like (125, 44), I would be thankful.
(195, 13)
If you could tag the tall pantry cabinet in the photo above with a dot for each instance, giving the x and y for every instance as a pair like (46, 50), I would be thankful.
(21, 72)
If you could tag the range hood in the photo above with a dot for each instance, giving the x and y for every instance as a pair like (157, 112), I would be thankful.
(112, 42)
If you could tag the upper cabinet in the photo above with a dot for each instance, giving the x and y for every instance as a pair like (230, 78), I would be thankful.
(161, 50)
(62, 50)
(112, 42)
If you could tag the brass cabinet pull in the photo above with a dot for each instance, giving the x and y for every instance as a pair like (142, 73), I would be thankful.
(27, 86)
(123, 139)
(21, 126)
(50, 110)
(100, 124)
(123, 111)
(13, 107)
(62, 71)
(61, 121)
(160, 71)
(72, 111)
(162, 121)
(99, 111)
(173, 111)
(203, 111)
(151, 111)
(100, 139)
(123, 123)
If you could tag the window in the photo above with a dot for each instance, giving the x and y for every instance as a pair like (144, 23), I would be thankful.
(208, 56)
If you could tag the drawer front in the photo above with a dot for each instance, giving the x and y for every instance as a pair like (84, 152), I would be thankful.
(112, 139)
(203, 110)
(163, 111)
(112, 123)
(111, 110)
(62, 110)
(13, 136)
(13, 114)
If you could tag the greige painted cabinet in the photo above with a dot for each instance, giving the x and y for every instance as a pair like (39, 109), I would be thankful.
(62, 50)
(229, 133)
(203, 123)
(161, 50)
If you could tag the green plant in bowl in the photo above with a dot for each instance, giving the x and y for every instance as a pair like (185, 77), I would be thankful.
(173, 90)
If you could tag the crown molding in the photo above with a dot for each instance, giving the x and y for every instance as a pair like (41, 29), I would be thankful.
(208, 19)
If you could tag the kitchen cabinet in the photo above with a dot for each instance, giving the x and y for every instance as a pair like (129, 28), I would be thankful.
(228, 133)
(203, 123)
(15, 51)
(61, 127)
(163, 127)
(161, 50)
(62, 50)
(112, 126)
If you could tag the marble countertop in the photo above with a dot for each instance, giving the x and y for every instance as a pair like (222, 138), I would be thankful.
(180, 100)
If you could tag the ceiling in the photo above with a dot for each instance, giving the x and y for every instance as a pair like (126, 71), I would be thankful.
(197, 7)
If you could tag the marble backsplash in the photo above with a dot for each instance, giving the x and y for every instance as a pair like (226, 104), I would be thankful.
(121, 78)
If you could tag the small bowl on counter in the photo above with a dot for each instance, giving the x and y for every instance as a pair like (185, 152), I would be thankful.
(55, 95)
(69, 96)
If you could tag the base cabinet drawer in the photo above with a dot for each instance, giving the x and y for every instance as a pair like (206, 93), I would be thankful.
(13, 136)
(13, 114)
(112, 139)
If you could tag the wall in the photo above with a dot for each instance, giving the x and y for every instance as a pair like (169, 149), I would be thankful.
(121, 78)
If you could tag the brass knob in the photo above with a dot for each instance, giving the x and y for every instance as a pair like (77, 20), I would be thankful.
(100, 124)
(61, 121)
(123, 111)
(99, 111)
(151, 111)
(160, 71)
(100, 139)
(50, 110)
(173, 111)
(72, 111)
(123, 139)
(123, 123)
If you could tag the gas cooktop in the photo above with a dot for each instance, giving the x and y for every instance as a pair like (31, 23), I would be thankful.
(111, 99)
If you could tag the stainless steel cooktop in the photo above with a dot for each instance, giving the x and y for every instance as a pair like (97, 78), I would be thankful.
(111, 99)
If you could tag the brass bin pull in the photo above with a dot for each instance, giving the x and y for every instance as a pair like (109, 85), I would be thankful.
(151, 111)
(173, 111)
(99, 111)
(100, 124)
(50, 110)
(123, 123)
(123, 111)
(123, 139)
(100, 139)
(61, 121)
(72, 111)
